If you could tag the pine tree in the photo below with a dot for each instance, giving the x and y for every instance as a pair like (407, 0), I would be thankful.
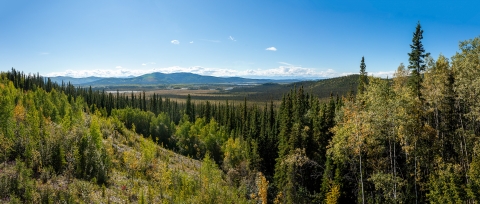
(362, 81)
(416, 60)
(189, 109)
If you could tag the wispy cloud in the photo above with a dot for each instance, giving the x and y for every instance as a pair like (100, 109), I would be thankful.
(119, 67)
(213, 41)
(44, 53)
(175, 42)
(284, 63)
(191, 42)
(271, 49)
(148, 63)
(231, 38)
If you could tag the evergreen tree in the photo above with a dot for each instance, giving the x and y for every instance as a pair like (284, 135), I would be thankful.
(189, 109)
(416, 60)
(362, 81)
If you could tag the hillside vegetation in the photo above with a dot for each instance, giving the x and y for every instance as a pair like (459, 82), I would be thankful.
(412, 139)
(55, 149)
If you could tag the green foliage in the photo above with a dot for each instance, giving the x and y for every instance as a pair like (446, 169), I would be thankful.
(211, 192)
(162, 129)
(296, 172)
(148, 150)
(473, 188)
(186, 143)
(391, 143)
(465, 68)
(416, 60)
(95, 133)
(93, 162)
(213, 137)
(23, 185)
(131, 117)
(7, 103)
(388, 188)
(445, 184)
(234, 153)
(58, 159)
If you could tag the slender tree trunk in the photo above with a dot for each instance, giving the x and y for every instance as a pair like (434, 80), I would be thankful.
(360, 156)
(361, 174)
(464, 149)
(394, 173)
(415, 160)
(393, 163)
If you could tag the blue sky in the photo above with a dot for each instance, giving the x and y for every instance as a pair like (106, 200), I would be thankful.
(262, 39)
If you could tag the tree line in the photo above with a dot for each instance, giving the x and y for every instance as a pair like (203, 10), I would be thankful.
(410, 139)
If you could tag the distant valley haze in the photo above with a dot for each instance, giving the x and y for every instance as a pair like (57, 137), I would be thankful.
(158, 78)
(279, 73)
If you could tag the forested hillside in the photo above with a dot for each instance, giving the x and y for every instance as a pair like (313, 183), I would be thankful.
(413, 139)
(56, 148)
(320, 88)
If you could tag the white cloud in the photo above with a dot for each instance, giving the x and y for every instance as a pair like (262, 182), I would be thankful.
(175, 42)
(271, 49)
(231, 38)
(191, 42)
(143, 64)
(118, 67)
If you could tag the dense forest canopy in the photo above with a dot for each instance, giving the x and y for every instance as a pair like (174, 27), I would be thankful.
(412, 139)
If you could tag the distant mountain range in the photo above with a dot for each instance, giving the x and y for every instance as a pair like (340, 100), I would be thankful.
(158, 78)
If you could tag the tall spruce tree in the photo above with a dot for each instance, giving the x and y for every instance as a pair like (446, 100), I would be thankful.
(417, 60)
(189, 109)
(420, 142)
(362, 81)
